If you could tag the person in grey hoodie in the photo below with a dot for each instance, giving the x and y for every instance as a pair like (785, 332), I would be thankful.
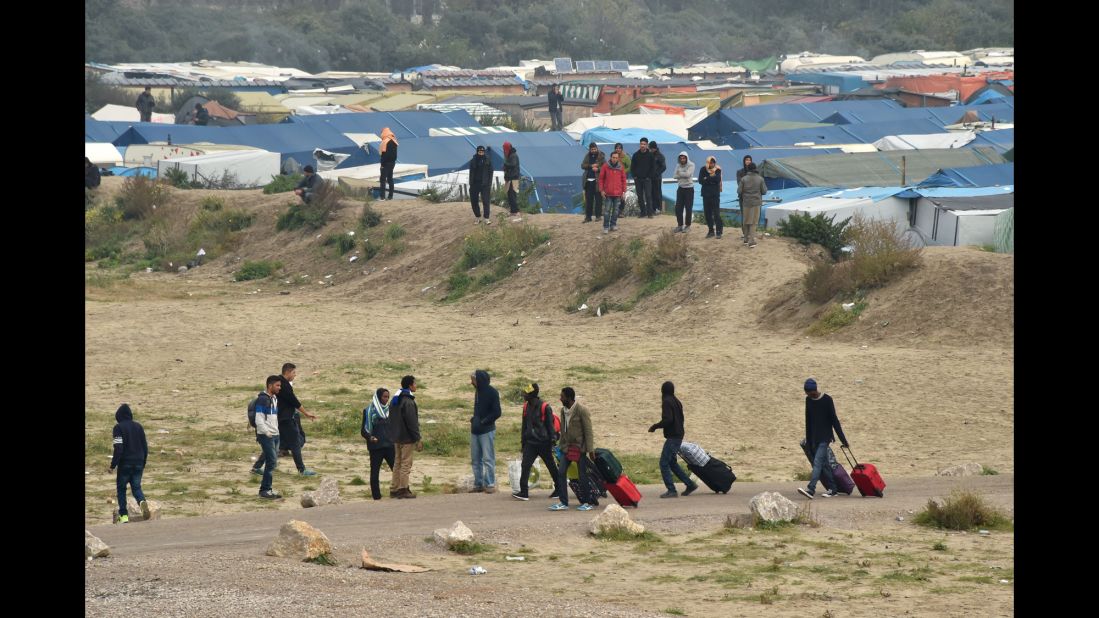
(482, 429)
(751, 188)
(684, 173)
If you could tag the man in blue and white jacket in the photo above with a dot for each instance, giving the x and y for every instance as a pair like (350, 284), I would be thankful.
(267, 433)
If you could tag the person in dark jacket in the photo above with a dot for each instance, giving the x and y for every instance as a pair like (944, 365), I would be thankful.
(289, 419)
(375, 431)
(91, 174)
(388, 151)
(308, 185)
(740, 174)
(641, 166)
(511, 177)
(480, 183)
(591, 163)
(131, 451)
(482, 432)
(556, 99)
(709, 178)
(671, 420)
(743, 170)
(820, 419)
(751, 188)
(202, 115)
(145, 104)
(537, 439)
(577, 443)
(660, 165)
(404, 431)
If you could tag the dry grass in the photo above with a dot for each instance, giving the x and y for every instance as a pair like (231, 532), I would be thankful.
(963, 510)
(881, 253)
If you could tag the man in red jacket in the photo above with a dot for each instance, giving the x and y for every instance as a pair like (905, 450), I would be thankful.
(612, 184)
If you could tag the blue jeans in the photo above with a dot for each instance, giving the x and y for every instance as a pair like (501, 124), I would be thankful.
(270, 448)
(820, 464)
(610, 211)
(482, 454)
(129, 473)
(669, 464)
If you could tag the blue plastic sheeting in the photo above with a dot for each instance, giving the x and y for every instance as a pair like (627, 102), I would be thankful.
(289, 140)
(941, 115)
(1001, 174)
(732, 160)
(103, 131)
(403, 124)
(1002, 140)
(728, 121)
(847, 134)
(989, 96)
(556, 173)
(149, 172)
(958, 191)
(454, 151)
(845, 83)
(629, 138)
(728, 199)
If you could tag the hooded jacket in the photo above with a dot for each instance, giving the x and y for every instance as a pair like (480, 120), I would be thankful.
(660, 165)
(511, 162)
(711, 182)
(267, 409)
(480, 171)
(486, 405)
(671, 413)
(388, 148)
(404, 419)
(685, 174)
(612, 179)
(532, 415)
(130, 447)
(743, 167)
(751, 189)
(586, 164)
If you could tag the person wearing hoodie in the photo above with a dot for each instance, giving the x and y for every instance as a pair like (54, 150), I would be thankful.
(291, 434)
(376, 433)
(577, 441)
(131, 451)
(482, 432)
(751, 188)
(612, 184)
(660, 165)
(404, 431)
(710, 180)
(267, 433)
(537, 439)
(642, 170)
(511, 177)
(623, 158)
(684, 174)
(388, 151)
(480, 183)
(740, 174)
(671, 420)
(591, 163)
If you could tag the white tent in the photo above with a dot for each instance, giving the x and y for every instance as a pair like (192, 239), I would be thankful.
(319, 110)
(150, 154)
(250, 168)
(456, 183)
(102, 154)
(923, 142)
(365, 177)
(869, 202)
(674, 124)
(961, 221)
(129, 114)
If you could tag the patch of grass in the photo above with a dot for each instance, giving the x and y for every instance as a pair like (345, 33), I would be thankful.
(619, 534)
(139, 197)
(836, 318)
(368, 217)
(643, 469)
(469, 548)
(659, 283)
(256, 270)
(674, 611)
(445, 440)
(939, 546)
(987, 471)
(987, 248)
(881, 253)
(323, 560)
(920, 574)
(802, 475)
(769, 597)
(282, 183)
(342, 242)
(343, 422)
(394, 231)
(393, 366)
(437, 194)
(326, 198)
(358, 480)
(512, 392)
(962, 510)
(669, 255)
(610, 261)
(501, 248)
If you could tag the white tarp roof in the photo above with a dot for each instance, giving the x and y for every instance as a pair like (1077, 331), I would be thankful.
(373, 171)
(921, 142)
(251, 168)
(319, 110)
(456, 182)
(444, 131)
(102, 154)
(672, 124)
(125, 113)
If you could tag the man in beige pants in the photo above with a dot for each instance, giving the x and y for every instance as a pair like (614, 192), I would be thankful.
(751, 188)
(404, 427)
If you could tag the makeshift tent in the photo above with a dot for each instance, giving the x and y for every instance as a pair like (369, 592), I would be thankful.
(295, 141)
(125, 113)
(478, 130)
(446, 154)
(220, 116)
(555, 171)
(834, 83)
(960, 221)
(148, 172)
(732, 160)
(845, 134)
(786, 125)
(456, 184)
(879, 169)
(1002, 140)
(150, 154)
(245, 168)
(981, 176)
(728, 201)
(674, 124)
(923, 142)
(103, 154)
(104, 131)
(368, 177)
(941, 115)
(728, 121)
(881, 203)
(628, 137)
(403, 124)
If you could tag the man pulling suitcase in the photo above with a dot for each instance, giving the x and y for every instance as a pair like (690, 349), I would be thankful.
(820, 420)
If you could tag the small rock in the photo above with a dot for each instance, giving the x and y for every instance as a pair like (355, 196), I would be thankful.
(284, 293)
(181, 269)
(477, 570)
(773, 507)
(328, 493)
(615, 517)
(899, 518)
(300, 541)
(515, 558)
(373, 565)
(966, 469)
(94, 548)
(353, 258)
(456, 533)
(983, 532)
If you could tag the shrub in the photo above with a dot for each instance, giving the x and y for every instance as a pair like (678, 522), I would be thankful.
(522, 198)
(668, 256)
(468, 548)
(963, 510)
(369, 218)
(836, 318)
(826, 279)
(881, 254)
(104, 232)
(503, 246)
(326, 198)
(282, 183)
(609, 262)
(256, 270)
(436, 194)
(177, 178)
(139, 197)
(212, 203)
(342, 242)
(818, 229)
(394, 231)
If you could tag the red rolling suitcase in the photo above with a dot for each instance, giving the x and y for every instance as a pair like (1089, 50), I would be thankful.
(866, 476)
(624, 491)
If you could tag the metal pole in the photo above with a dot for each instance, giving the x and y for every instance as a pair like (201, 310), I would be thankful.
(904, 162)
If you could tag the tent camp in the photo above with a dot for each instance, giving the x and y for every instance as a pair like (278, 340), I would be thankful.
(868, 202)
(728, 121)
(628, 137)
(940, 115)
(125, 113)
(841, 134)
(103, 154)
(403, 124)
(446, 154)
(674, 124)
(366, 177)
(220, 116)
(244, 168)
(730, 205)
(963, 219)
(150, 154)
(297, 141)
(454, 184)
(1002, 174)
(103, 130)
(924, 142)
(875, 169)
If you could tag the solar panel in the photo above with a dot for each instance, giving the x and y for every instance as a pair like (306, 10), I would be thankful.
(620, 65)
(603, 65)
(563, 65)
(585, 65)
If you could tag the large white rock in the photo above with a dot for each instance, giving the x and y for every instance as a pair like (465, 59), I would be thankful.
(966, 469)
(614, 518)
(456, 533)
(327, 493)
(299, 540)
(773, 507)
(95, 548)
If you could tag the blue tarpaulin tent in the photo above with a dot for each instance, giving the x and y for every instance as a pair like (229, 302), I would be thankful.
(982, 176)
(403, 124)
(103, 131)
(841, 82)
(629, 138)
(728, 199)
(289, 140)
(1002, 140)
(449, 153)
(728, 121)
(941, 115)
(846, 134)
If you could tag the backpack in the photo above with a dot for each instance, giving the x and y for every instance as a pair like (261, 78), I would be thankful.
(536, 428)
(252, 412)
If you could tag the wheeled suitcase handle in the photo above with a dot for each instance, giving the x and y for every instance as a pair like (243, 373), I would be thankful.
(846, 450)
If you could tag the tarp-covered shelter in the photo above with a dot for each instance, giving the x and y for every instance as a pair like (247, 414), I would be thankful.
(874, 169)
(999, 175)
(728, 121)
(403, 124)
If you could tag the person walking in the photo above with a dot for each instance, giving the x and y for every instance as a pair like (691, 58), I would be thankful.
(820, 420)
(671, 420)
(751, 188)
(375, 430)
(267, 434)
(388, 151)
(684, 174)
(404, 431)
(709, 178)
(591, 163)
(612, 184)
(482, 432)
(537, 440)
(660, 165)
(642, 169)
(577, 442)
(480, 183)
(556, 99)
(289, 419)
(131, 452)
(511, 179)
(145, 105)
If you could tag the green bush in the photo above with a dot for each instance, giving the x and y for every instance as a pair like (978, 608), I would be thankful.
(312, 216)
(394, 231)
(881, 253)
(342, 242)
(836, 318)
(139, 197)
(369, 217)
(105, 232)
(963, 510)
(667, 256)
(609, 262)
(817, 229)
(212, 203)
(522, 197)
(826, 279)
(256, 270)
(282, 183)
(178, 178)
(437, 194)
(501, 246)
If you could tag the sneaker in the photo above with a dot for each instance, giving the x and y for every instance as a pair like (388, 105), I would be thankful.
(307, 472)
(477, 490)
(587, 220)
(606, 230)
(405, 493)
(686, 228)
(146, 513)
(719, 234)
(831, 493)
(690, 490)
(258, 471)
(520, 496)
(671, 493)
(710, 234)
(269, 495)
(123, 519)
(678, 229)
(488, 221)
(805, 492)
(614, 228)
(751, 245)
(491, 489)
(585, 507)
(559, 507)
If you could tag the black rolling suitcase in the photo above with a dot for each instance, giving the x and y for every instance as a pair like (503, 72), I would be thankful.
(717, 475)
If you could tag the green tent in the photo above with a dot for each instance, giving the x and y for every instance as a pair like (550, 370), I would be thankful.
(875, 169)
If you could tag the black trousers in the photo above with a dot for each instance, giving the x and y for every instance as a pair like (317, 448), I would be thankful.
(684, 205)
(378, 455)
(644, 189)
(658, 196)
(713, 214)
(387, 177)
(513, 199)
(532, 452)
(592, 197)
(484, 191)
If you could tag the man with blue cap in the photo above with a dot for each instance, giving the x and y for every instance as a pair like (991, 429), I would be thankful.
(820, 419)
